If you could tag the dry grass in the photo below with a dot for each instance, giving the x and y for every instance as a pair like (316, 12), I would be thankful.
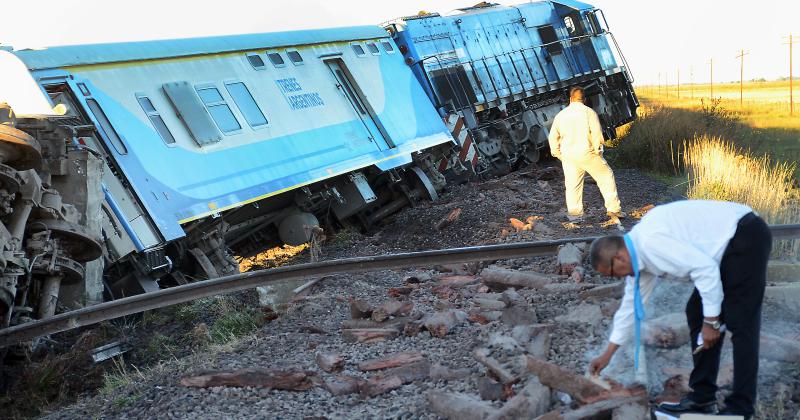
(718, 170)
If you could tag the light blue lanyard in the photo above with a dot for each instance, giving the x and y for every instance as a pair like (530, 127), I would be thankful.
(638, 306)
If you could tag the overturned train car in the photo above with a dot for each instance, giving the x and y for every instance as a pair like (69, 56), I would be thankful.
(500, 74)
(133, 166)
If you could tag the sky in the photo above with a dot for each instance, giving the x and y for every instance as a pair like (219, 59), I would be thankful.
(656, 37)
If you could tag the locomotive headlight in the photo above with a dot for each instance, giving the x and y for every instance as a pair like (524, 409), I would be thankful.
(60, 109)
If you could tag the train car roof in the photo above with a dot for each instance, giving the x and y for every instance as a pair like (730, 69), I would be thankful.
(76, 55)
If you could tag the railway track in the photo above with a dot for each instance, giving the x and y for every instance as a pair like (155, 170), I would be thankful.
(228, 284)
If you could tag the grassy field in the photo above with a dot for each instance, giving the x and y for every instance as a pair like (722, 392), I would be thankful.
(767, 126)
(716, 149)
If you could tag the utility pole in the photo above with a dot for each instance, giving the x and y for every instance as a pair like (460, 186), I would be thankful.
(741, 78)
(791, 77)
(711, 62)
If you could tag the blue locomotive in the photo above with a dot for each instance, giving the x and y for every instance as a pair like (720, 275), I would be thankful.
(501, 73)
(132, 166)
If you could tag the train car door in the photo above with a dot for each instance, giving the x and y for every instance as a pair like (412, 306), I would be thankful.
(358, 102)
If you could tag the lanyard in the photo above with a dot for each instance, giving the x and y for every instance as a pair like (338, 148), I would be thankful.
(638, 306)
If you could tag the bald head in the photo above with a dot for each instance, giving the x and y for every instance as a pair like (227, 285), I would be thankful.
(576, 94)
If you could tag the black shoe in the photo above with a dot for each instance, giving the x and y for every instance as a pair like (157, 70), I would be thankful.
(687, 405)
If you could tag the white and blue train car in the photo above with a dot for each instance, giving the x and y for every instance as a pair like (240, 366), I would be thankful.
(229, 142)
(505, 70)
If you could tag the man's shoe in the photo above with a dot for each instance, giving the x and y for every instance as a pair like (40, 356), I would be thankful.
(618, 214)
(575, 217)
(687, 405)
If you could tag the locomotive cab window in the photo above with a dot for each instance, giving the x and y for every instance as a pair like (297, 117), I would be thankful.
(359, 50)
(295, 57)
(220, 111)
(247, 105)
(574, 25)
(387, 46)
(549, 38)
(155, 119)
(594, 22)
(276, 59)
(373, 49)
(256, 61)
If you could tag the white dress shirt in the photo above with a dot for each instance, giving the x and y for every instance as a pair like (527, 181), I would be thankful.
(684, 239)
(575, 132)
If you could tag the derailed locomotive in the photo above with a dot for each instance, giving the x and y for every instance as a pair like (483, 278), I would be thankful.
(133, 166)
(501, 73)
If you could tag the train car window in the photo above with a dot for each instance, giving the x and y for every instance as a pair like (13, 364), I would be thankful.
(549, 38)
(387, 46)
(219, 109)
(373, 48)
(276, 59)
(156, 119)
(256, 61)
(84, 90)
(106, 127)
(193, 112)
(359, 50)
(244, 100)
(295, 57)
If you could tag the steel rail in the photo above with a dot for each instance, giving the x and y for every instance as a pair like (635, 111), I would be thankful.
(233, 283)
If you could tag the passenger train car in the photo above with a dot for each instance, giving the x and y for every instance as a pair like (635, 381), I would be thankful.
(133, 166)
(171, 153)
(502, 73)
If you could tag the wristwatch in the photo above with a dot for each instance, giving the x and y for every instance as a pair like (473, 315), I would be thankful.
(713, 324)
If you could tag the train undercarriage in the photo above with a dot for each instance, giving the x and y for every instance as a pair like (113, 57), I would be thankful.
(59, 233)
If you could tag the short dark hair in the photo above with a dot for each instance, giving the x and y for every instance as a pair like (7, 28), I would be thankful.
(576, 92)
(604, 248)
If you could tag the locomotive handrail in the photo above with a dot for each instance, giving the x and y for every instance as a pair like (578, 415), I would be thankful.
(622, 56)
(237, 282)
(569, 57)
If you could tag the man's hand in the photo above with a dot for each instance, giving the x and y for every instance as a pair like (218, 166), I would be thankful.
(600, 362)
(710, 336)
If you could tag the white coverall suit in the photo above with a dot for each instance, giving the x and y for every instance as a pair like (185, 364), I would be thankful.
(576, 138)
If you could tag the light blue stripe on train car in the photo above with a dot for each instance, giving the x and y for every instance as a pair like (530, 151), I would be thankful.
(77, 55)
(177, 185)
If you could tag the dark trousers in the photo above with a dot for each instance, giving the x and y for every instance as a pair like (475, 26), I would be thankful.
(743, 270)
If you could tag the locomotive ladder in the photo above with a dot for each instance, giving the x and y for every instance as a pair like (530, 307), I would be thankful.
(228, 284)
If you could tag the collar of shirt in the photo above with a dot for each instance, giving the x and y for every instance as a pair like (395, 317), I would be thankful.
(638, 251)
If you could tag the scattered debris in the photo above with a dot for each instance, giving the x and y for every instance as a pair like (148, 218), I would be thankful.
(392, 361)
(330, 362)
(369, 335)
(569, 257)
(290, 380)
(449, 219)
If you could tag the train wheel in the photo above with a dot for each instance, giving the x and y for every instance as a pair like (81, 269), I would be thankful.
(296, 229)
